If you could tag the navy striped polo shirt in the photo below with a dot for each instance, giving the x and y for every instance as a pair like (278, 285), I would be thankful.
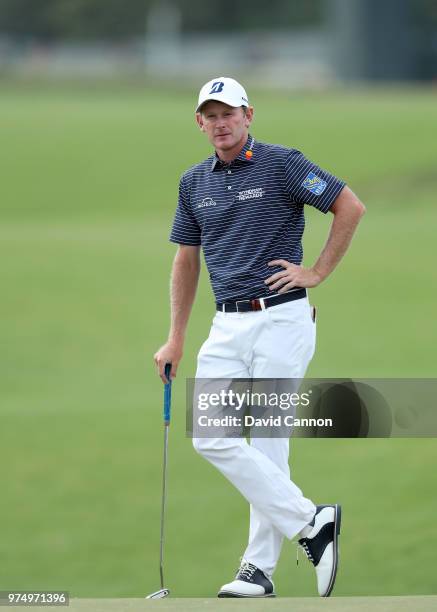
(248, 212)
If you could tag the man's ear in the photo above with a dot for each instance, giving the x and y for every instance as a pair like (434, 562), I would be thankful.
(249, 116)
(199, 121)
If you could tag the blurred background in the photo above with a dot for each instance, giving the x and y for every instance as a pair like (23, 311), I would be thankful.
(299, 43)
(97, 106)
(283, 44)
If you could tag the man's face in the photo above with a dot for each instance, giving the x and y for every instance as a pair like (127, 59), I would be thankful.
(225, 126)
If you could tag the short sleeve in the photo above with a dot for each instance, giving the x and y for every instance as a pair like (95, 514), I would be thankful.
(306, 183)
(185, 228)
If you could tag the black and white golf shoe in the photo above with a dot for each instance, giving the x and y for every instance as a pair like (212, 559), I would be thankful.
(321, 546)
(249, 581)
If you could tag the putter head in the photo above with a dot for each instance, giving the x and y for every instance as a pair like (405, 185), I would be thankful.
(159, 594)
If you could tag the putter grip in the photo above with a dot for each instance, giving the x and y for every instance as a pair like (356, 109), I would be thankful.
(167, 394)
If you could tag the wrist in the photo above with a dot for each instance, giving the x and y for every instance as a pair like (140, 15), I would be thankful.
(176, 339)
(319, 277)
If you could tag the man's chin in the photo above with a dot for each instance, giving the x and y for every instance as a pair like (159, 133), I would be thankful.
(225, 142)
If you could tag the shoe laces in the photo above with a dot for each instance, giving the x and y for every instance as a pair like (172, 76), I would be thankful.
(306, 548)
(246, 569)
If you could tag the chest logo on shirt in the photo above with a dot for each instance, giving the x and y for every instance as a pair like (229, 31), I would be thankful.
(314, 184)
(249, 194)
(206, 202)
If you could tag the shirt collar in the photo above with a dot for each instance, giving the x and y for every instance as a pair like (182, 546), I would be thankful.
(250, 143)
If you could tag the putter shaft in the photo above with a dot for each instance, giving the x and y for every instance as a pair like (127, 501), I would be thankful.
(164, 495)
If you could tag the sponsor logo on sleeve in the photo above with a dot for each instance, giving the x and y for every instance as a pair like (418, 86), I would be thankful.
(314, 184)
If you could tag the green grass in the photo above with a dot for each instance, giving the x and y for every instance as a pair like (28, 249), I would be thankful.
(304, 604)
(89, 183)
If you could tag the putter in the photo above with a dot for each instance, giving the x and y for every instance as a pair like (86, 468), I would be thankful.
(163, 592)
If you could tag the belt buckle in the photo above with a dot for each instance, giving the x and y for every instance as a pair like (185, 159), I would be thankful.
(239, 302)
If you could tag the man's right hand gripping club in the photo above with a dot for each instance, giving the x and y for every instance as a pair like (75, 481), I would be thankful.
(170, 352)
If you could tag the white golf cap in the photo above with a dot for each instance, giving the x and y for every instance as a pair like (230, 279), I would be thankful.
(223, 89)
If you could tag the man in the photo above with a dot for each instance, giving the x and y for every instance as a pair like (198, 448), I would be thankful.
(244, 207)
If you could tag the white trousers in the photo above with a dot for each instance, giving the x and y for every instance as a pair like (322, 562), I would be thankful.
(278, 342)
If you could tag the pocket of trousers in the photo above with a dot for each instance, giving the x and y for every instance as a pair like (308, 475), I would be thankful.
(289, 316)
